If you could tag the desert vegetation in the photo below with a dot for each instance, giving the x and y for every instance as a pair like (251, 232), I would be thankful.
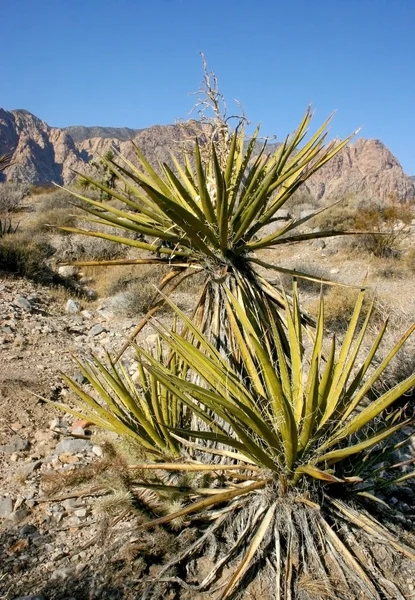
(255, 427)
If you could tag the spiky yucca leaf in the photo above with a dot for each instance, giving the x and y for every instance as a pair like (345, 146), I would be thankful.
(136, 407)
(214, 212)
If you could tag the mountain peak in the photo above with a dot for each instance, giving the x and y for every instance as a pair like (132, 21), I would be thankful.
(42, 154)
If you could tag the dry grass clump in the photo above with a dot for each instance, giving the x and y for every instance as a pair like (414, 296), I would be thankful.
(409, 260)
(140, 293)
(300, 202)
(41, 190)
(54, 209)
(94, 248)
(305, 285)
(25, 255)
(390, 268)
(339, 304)
(11, 196)
(339, 217)
(54, 218)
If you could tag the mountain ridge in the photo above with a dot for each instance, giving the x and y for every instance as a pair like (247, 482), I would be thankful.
(43, 154)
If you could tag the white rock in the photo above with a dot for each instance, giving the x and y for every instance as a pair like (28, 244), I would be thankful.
(67, 271)
(97, 450)
(72, 307)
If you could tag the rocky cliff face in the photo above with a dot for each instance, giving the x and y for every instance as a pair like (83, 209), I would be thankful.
(44, 154)
(366, 169)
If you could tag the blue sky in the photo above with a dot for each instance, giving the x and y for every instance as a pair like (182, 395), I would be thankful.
(133, 62)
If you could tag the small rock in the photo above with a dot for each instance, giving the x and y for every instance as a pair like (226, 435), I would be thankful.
(80, 424)
(27, 530)
(16, 426)
(6, 507)
(320, 244)
(19, 515)
(96, 330)
(72, 307)
(75, 431)
(23, 302)
(91, 294)
(79, 378)
(86, 280)
(71, 503)
(19, 341)
(67, 271)
(63, 573)
(68, 459)
(17, 444)
(81, 513)
(97, 450)
(40, 540)
(87, 314)
(45, 436)
(18, 503)
(72, 446)
(29, 468)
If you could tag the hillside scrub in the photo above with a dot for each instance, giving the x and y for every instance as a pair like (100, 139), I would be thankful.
(12, 195)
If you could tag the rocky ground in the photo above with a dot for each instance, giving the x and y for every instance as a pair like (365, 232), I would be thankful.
(50, 537)
(60, 536)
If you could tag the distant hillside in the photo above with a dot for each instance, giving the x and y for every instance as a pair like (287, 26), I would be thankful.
(79, 133)
(44, 154)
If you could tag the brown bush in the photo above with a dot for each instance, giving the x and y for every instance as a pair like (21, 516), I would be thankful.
(339, 305)
(388, 224)
(51, 220)
(26, 256)
(339, 217)
(11, 196)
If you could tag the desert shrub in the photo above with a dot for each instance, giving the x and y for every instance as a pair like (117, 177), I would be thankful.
(123, 277)
(136, 291)
(56, 199)
(409, 260)
(339, 217)
(390, 268)
(306, 285)
(46, 220)
(301, 200)
(138, 299)
(388, 224)
(26, 256)
(99, 249)
(37, 190)
(339, 305)
(11, 195)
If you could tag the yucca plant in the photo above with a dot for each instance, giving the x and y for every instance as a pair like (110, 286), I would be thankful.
(211, 212)
(309, 461)
(138, 408)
